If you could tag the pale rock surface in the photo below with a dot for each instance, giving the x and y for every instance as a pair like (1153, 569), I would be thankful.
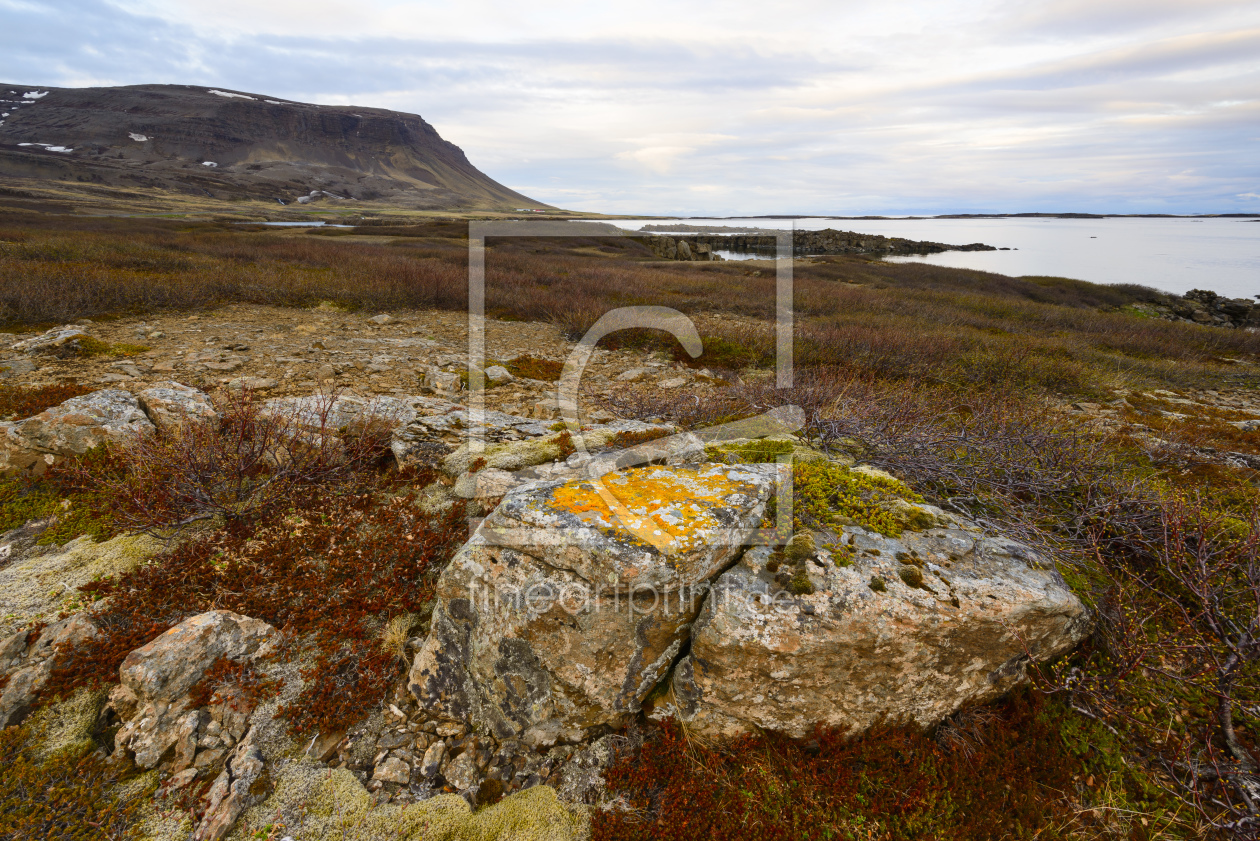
(847, 655)
(232, 792)
(559, 616)
(153, 700)
(76, 426)
(169, 404)
(51, 340)
(498, 375)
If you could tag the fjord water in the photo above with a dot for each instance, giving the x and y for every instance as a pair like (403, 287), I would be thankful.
(1175, 255)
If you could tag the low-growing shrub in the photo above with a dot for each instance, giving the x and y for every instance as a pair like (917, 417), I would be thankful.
(330, 569)
(68, 796)
(18, 401)
(1031, 773)
(534, 368)
(237, 466)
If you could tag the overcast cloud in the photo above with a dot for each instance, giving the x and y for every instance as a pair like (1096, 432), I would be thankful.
(899, 106)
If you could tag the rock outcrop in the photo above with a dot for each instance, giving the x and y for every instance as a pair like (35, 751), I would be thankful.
(562, 613)
(169, 404)
(76, 426)
(909, 629)
(159, 718)
(702, 246)
(27, 660)
(1199, 306)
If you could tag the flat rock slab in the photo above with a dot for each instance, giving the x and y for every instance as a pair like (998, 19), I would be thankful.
(73, 428)
(849, 654)
(559, 616)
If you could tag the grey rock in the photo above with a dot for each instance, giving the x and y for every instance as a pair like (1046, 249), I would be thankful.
(431, 766)
(522, 646)
(498, 375)
(27, 666)
(392, 770)
(73, 428)
(152, 699)
(51, 340)
(169, 404)
(959, 632)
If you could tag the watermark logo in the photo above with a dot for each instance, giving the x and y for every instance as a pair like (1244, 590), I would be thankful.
(593, 468)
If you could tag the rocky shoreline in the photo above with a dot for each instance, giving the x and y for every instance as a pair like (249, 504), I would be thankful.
(702, 246)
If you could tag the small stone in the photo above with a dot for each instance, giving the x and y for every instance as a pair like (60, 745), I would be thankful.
(324, 747)
(183, 778)
(673, 382)
(432, 762)
(498, 375)
(325, 373)
(16, 367)
(392, 770)
(450, 729)
(383, 318)
(462, 772)
(251, 384)
(207, 758)
(633, 375)
(157, 334)
(390, 741)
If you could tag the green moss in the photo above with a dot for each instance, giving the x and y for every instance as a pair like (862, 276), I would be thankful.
(829, 496)
(878, 585)
(313, 802)
(800, 548)
(756, 451)
(911, 575)
(800, 585)
(88, 347)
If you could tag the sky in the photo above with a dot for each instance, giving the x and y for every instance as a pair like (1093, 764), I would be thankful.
(845, 107)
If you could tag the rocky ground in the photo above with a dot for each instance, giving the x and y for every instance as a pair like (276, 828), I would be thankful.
(517, 696)
(285, 352)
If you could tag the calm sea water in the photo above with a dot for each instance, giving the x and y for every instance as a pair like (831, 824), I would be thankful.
(1175, 255)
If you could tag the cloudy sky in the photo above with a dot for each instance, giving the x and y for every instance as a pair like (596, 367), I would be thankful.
(841, 106)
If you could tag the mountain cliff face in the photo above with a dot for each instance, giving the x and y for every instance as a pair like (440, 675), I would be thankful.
(235, 145)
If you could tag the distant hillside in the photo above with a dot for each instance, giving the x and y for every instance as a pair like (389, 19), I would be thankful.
(222, 144)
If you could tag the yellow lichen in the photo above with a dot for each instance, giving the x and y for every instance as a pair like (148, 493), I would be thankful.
(668, 508)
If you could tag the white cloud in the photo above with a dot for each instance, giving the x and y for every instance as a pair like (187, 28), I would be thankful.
(819, 106)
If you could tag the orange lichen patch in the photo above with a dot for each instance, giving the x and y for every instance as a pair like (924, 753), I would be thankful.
(669, 508)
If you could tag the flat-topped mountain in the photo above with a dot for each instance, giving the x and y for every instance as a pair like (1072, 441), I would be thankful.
(234, 145)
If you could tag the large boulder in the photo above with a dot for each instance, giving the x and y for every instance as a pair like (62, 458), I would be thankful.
(906, 629)
(154, 702)
(572, 600)
(73, 428)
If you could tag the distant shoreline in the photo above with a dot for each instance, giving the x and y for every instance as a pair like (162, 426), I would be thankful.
(1255, 217)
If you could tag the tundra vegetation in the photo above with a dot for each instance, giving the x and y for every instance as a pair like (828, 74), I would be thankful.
(957, 383)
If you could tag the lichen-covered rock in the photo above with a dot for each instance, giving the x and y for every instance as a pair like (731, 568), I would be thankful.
(169, 404)
(956, 621)
(28, 662)
(235, 790)
(567, 607)
(51, 339)
(40, 582)
(76, 426)
(153, 700)
(334, 412)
